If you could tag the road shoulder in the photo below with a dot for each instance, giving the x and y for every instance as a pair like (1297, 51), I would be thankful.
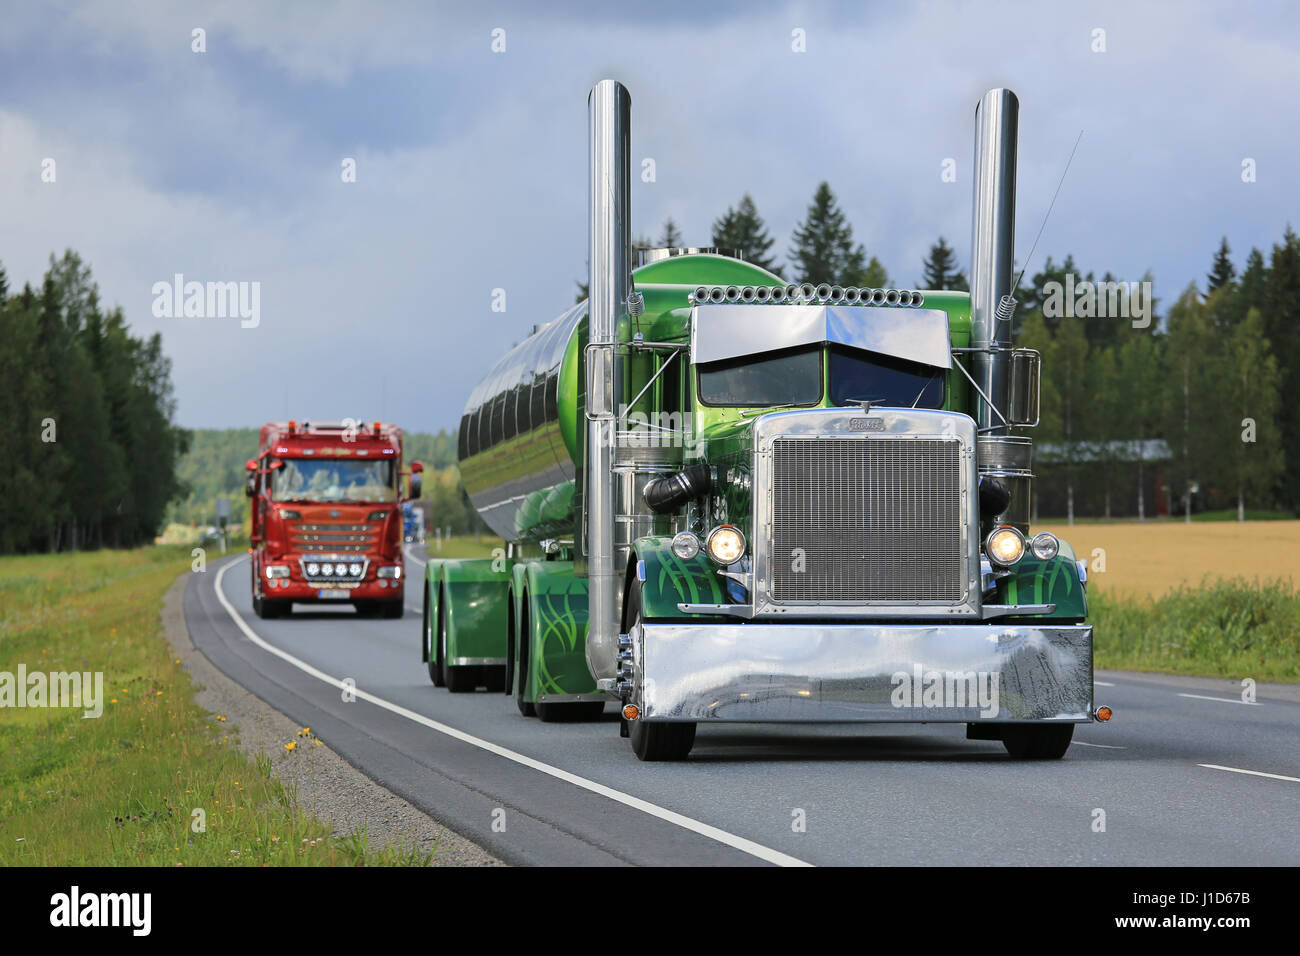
(328, 787)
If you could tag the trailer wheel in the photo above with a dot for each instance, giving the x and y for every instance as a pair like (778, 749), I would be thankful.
(526, 708)
(1037, 741)
(434, 655)
(654, 741)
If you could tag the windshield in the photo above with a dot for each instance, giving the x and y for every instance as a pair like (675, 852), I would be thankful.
(792, 377)
(860, 376)
(312, 479)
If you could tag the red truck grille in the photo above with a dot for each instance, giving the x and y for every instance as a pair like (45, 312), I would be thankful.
(334, 537)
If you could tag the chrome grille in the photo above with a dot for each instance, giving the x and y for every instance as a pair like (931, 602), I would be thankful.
(875, 520)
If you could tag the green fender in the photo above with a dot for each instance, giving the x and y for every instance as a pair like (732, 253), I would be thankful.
(475, 609)
(669, 581)
(557, 630)
(432, 594)
(1055, 581)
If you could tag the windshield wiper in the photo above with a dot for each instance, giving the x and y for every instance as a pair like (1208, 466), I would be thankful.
(928, 382)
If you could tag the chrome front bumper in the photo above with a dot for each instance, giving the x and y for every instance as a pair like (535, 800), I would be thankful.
(863, 672)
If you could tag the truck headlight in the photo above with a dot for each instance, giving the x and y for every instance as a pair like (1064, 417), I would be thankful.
(327, 570)
(1045, 545)
(393, 571)
(277, 571)
(725, 544)
(354, 570)
(686, 545)
(1005, 546)
(313, 569)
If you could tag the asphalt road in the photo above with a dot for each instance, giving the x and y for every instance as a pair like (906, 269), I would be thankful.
(1186, 774)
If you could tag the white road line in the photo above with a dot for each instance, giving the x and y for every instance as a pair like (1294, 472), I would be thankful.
(695, 826)
(1084, 743)
(1102, 683)
(418, 561)
(1253, 773)
(1226, 700)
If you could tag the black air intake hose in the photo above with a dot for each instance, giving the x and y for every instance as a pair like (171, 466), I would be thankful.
(671, 492)
(995, 496)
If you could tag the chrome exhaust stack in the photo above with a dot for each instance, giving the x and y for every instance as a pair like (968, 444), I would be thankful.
(609, 107)
(993, 250)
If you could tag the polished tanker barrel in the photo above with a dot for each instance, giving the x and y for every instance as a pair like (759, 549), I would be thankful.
(521, 434)
(518, 441)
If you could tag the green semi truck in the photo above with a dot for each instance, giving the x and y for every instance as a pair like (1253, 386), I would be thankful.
(731, 499)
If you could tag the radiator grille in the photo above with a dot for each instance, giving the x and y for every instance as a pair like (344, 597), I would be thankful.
(876, 519)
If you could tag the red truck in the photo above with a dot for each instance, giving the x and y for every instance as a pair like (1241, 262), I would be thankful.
(327, 516)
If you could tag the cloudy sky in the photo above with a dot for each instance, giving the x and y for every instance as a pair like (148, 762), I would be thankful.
(376, 295)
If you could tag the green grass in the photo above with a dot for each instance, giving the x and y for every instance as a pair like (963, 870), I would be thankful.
(1231, 629)
(464, 547)
(122, 789)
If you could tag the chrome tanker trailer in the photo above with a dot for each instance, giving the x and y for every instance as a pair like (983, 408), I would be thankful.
(727, 498)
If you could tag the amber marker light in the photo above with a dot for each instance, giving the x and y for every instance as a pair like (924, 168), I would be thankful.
(1103, 713)
(631, 712)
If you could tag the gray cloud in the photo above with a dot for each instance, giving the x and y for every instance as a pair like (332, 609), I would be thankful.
(376, 295)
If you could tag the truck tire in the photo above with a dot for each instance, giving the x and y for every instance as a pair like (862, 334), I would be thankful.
(654, 741)
(526, 708)
(434, 654)
(573, 710)
(1037, 741)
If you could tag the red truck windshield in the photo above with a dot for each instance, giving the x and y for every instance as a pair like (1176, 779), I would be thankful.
(312, 479)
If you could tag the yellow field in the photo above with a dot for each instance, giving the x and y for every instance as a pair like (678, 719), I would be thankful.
(1145, 560)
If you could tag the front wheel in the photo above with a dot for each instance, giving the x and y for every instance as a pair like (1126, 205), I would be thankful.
(654, 741)
(661, 741)
(1037, 741)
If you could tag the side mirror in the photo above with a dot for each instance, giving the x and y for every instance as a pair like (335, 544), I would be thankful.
(1023, 387)
(417, 479)
(250, 465)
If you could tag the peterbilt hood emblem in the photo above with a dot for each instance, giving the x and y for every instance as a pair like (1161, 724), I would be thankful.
(866, 424)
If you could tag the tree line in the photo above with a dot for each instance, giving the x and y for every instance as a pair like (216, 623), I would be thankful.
(822, 248)
(1187, 407)
(91, 449)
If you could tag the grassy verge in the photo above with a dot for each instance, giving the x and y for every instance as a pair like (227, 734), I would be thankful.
(122, 789)
(463, 547)
(1224, 628)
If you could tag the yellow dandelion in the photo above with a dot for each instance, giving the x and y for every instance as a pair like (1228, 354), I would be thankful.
(290, 745)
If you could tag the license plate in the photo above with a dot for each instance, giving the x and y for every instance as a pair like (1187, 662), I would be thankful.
(334, 594)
